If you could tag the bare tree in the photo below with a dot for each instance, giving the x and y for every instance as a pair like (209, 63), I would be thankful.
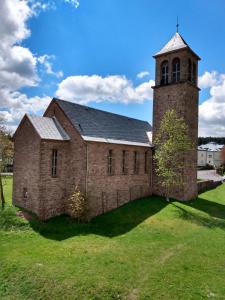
(6, 152)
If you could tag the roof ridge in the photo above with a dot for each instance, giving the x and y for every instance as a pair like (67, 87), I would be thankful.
(104, 111)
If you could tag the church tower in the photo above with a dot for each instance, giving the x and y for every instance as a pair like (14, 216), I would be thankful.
(176, 87)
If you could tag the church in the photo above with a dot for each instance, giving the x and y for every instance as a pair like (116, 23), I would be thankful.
(109, 157)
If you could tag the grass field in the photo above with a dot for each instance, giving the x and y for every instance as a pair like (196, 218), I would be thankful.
(147, 249)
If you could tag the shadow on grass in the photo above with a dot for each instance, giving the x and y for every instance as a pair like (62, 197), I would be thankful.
(114, 223)
(120, 220)
(215, 212)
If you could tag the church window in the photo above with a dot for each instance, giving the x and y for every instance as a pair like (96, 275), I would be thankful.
(165, 72)
(110, 162)
(135, 162)
(54, 162)
(124, 163)
(176, 70)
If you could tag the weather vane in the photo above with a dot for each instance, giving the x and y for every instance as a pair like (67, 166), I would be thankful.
(177, 25)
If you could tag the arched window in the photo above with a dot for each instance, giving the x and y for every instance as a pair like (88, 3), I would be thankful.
(194, 73)
(165, 72)
(176, 70)
(189, 70)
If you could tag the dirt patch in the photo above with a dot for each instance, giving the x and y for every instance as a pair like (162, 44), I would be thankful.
(171, 252)
(25, 215)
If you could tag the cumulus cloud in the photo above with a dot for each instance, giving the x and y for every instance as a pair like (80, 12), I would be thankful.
(18, 65)
(45, 60)
(143, 74)
(74, 3)
(212, 111)
(14, 105)
(210, 79)
(116, 88)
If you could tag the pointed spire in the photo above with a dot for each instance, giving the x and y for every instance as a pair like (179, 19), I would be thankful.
(175, 43)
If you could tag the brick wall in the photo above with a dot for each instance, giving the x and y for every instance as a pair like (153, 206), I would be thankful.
(27, 168)
(107, 192)
(47, 195)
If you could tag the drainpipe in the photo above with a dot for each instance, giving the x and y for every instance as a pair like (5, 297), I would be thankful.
(86, 179)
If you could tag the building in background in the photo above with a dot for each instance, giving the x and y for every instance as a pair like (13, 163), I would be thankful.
(210, 154)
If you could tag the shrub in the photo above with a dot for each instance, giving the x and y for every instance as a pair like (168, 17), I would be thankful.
(78, 206)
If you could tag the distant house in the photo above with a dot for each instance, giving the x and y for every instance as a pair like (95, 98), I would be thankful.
(210, 154)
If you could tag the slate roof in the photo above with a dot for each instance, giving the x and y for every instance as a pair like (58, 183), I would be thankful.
(48, 128)
(212, 146)
(175, 43)
(97, 125)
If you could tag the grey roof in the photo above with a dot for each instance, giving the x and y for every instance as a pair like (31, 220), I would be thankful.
(212, 146)
(97, 125)
(48, 128)
(175, 43)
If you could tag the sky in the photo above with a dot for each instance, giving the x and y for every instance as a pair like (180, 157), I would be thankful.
(99, 53)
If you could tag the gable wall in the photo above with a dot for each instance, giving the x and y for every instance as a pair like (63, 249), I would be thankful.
(26, 167)
(106, 192)
(53, 189)
(72, 168)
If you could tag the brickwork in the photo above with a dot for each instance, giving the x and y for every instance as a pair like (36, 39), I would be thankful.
(110, 191)
(26, 177)
(82, 164)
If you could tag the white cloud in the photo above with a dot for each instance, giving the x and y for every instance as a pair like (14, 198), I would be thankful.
(45, 61)
(74, 3)
(212, 111)
(16, 104)
(209, 79)
(143, 74)
(18, 65)
(116, 88)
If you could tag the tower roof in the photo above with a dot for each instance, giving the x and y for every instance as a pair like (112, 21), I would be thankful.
(175, 43)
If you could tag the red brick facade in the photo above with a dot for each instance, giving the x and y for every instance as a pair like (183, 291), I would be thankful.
(80, 163)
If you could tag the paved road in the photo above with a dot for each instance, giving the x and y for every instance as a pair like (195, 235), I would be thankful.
(209, 175)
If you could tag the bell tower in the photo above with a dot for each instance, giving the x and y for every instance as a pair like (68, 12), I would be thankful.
(176, 87)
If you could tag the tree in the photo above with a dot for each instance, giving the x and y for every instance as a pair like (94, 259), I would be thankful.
(171, 144)
(6, 152)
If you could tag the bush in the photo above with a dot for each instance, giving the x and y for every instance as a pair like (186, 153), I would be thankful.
(206, 167)
(78, 206)
(220, 170)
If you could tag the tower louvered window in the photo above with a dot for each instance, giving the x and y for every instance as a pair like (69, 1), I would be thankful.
(176, 70)
(165, 72)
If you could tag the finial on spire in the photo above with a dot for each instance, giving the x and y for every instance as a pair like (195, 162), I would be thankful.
(177, 25)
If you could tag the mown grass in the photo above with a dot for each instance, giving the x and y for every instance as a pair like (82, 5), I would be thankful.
(147, 249)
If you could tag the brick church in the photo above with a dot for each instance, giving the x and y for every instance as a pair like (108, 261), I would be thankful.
(108, 156)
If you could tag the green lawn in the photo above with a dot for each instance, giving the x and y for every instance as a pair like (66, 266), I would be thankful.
(147, 249)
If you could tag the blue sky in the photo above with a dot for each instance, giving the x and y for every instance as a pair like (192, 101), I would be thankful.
(116, 37)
